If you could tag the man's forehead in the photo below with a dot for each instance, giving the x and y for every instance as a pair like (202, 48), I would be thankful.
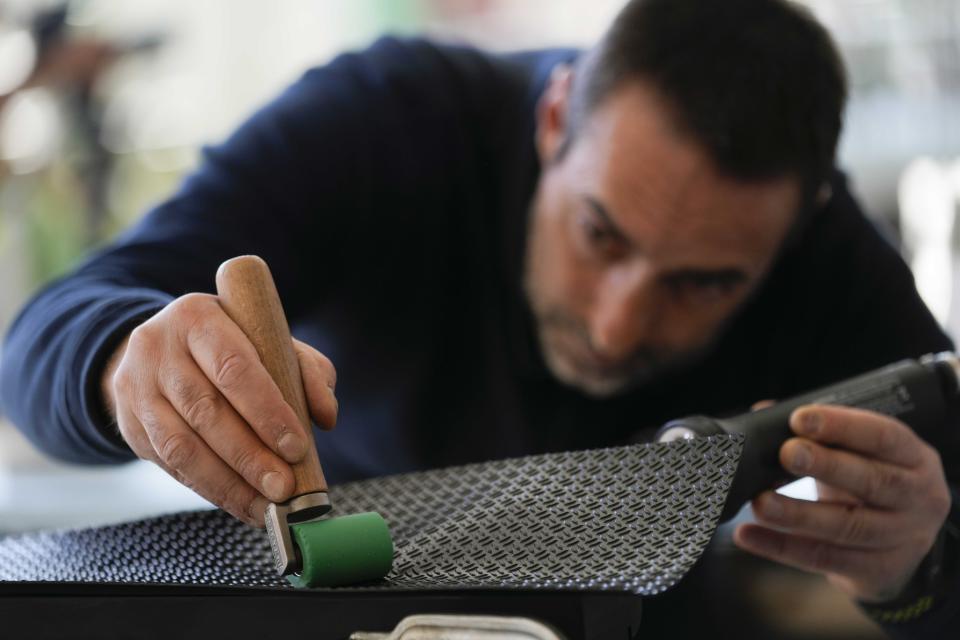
(716, 241)
(662, 189)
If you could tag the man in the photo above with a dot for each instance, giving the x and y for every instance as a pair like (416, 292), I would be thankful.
(510, 254)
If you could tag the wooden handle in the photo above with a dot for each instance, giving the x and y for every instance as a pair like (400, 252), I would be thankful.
(248, 295)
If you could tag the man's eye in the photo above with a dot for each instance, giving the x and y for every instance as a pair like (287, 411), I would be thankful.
(596, 233)
(600, 238)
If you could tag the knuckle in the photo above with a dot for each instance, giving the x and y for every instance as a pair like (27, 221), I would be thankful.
(177, 450)
(234, 498)
(885, 483)
(189, 312)
(939, 493)
(940, 504)
(246, 463)
(889, 440)
(147, 414)
(190, 306)
(200, 407)
(201, 411)
(123, 378)
(265, 424)
(853, 528)
(230, 369)
(823, 463)
(142, 337)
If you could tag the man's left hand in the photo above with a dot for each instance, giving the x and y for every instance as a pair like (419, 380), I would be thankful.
(883, 498)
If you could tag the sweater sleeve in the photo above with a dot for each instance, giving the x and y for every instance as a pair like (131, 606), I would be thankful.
(297, 184)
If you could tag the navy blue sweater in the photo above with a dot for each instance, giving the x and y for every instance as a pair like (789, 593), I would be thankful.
(389, 191)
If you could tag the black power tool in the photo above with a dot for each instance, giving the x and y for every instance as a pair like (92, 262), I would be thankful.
(918, 392)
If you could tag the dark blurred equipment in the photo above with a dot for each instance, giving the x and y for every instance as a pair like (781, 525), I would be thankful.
(72, 66)
(916, 392)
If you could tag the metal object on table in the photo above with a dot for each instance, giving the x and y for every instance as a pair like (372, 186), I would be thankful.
(437, 627)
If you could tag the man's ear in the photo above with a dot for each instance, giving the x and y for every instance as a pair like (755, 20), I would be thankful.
(551, 113)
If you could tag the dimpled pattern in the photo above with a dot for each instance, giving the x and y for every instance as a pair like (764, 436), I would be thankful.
(630, 518)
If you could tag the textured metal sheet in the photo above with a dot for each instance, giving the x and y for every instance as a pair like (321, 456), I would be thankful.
(630, 519)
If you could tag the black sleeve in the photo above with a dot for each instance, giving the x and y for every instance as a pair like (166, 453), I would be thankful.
(301, 184)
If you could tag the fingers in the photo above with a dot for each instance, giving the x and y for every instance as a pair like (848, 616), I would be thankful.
(883, 497)
(208, 415)
(841, 524)
(230, 362)
(190, 463)
(197, 466)
(319, 383)
(192, 395)
(829, 493)
(872, 434)
(877, 483)
(803, 553)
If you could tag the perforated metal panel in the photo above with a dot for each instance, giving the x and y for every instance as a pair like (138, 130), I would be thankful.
(628, 518)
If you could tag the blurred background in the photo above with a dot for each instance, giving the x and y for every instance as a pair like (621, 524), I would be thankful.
(104, 106)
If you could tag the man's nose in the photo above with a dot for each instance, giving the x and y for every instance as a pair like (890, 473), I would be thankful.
(625, 313)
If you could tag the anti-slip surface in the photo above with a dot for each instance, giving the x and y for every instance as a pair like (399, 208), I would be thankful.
(632, 519)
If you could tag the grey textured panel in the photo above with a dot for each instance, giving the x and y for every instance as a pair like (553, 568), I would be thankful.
(628, 518)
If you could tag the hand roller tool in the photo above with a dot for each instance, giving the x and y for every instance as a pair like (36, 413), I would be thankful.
(308, 550)
(916, 392)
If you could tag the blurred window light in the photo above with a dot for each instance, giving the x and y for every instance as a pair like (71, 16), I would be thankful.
(30, 131)
(18, 54)
(160, 121)
(803, 489)
(927, 197)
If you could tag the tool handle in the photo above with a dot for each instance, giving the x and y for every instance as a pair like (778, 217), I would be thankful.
(248, 295)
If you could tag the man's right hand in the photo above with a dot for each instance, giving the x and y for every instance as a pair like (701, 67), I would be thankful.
(190, 394)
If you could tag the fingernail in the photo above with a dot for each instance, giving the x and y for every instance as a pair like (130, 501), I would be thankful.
(802, 458)
(810, 422)
(272, 483)
(291, 447)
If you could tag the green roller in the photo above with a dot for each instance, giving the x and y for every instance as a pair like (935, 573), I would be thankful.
(343, 550)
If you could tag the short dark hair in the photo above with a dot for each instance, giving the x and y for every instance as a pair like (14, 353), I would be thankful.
(758, 83)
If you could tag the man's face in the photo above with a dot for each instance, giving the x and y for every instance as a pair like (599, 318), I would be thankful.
(638, 249)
